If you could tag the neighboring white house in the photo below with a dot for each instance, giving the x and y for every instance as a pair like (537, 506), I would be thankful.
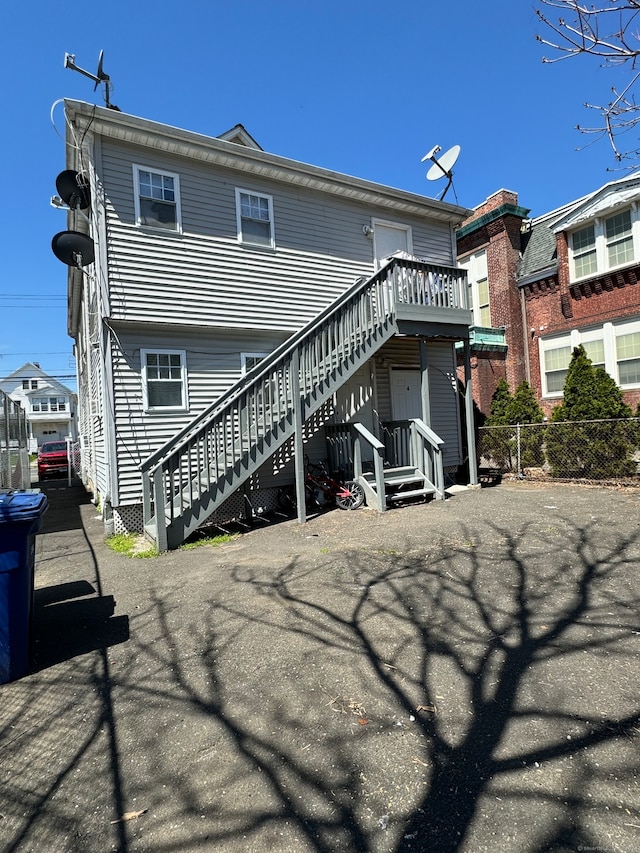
(241, 306)
(50, 405)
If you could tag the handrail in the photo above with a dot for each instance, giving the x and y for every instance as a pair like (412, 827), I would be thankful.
(391, 271)
(263, 367)
(185, 479)
(420, 428)
(359, 433)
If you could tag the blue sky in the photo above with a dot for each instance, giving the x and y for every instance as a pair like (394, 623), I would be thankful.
(365, 88)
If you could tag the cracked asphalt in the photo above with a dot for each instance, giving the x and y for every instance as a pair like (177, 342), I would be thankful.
(449, 676)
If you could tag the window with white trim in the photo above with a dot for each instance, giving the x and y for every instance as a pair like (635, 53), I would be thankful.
(604, 244)
(254, 215)
(49, 404)
(478, 282)
(164, 380)
(613, 346)
(250, 359)
(157, 199)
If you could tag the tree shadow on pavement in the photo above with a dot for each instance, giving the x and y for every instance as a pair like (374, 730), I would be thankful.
(478, 695)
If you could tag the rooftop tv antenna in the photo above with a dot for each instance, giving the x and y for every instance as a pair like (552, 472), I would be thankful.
(442, 167)
(98, 78)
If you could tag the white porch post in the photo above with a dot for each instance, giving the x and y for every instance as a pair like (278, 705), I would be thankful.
(298, 447)
(468, 407)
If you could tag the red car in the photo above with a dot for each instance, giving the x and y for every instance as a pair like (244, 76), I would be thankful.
(53, 459)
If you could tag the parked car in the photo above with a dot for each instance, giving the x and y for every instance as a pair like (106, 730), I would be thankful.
(53, 459)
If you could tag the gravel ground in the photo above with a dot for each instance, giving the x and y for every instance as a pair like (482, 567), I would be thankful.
(452, 676)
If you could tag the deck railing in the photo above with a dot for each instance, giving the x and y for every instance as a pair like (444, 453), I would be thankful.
(188, 477)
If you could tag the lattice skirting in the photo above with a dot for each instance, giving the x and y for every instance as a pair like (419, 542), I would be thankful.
(129, 519)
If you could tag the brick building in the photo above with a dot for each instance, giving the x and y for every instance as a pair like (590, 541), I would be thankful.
(550, 283)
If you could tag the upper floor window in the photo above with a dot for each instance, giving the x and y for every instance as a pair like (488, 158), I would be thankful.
(603, 245)
(164, 380)
(49, 404)
(478, 281)
(157, 199)
(254, 214)
(614, 346)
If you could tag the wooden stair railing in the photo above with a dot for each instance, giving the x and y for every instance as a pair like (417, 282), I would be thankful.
(191, 475)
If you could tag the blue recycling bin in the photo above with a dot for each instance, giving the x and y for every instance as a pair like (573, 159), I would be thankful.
(20, 519)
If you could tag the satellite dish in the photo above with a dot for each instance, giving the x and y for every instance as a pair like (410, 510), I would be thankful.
(73, 189)
(443, 166)
(100, 73)
(73, 248)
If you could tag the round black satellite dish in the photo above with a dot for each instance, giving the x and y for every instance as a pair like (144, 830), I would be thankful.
(73, 248)
(73, 189)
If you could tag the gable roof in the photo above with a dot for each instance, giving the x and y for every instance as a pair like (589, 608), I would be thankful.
(539, 256)
(31, 370)
(606, 198)
(240, 136)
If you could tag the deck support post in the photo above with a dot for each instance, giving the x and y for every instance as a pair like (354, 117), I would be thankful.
(298, 446)
(469, 418)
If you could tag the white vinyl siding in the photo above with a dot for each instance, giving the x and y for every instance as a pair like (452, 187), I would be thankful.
(613, 346)
(157, 198)
(604, 244)
(321, 250)
(214, 364)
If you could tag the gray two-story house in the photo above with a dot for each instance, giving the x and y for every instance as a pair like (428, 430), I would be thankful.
(235, 311)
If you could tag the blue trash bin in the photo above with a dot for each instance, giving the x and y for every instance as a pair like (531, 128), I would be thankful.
(20, 519)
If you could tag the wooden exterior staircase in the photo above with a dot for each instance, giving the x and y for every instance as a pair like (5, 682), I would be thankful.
(189, 477)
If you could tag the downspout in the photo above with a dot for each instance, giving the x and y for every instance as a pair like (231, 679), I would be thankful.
(106, 372)
(525, 337)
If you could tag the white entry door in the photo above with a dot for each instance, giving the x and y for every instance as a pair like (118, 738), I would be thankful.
(389, 237)
(406, 401)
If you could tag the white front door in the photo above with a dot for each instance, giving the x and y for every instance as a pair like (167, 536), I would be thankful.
(389, 237)
(406, 398)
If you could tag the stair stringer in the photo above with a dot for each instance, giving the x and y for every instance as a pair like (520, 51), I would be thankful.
(179, 527)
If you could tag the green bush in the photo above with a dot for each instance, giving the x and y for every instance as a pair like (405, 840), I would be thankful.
(593, 450)
(507, 411)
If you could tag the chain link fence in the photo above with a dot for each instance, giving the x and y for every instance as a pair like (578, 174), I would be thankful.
(15, 472)
(596, 451)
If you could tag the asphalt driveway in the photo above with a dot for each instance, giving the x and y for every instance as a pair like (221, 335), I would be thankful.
(453, 676)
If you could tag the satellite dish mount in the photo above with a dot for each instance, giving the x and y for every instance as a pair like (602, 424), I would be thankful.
(442, 167)
(98, 78)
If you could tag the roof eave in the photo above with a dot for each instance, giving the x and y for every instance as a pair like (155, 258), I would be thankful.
(140, 131)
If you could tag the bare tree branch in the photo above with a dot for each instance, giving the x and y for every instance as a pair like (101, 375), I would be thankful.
(610, 31)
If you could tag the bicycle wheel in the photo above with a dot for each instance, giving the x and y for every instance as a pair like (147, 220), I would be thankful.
(354, 499)
(287, 501)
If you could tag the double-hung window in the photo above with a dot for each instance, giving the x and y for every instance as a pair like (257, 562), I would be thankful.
(164, 380)
(619, 239)
(613, 346)
(585, 259)
(157, 199)
(628, 356)
(478, 281)
(254, 214)
(604, 244)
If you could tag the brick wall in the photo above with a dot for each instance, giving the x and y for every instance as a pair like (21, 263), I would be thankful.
(500, 236)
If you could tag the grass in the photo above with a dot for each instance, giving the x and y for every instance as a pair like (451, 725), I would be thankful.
(131, 545)
(221, 539)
